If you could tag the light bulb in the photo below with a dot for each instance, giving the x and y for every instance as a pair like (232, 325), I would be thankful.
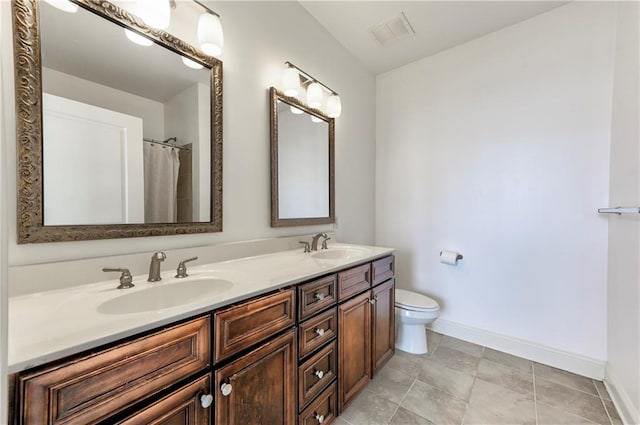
(291, 82)
(210, 34)
(314, 95)
(191, 64)
(315, 119)
(64, 5)
(137, 38)
(296, 111)
(334, 106)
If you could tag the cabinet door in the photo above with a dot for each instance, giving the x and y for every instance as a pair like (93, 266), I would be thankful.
(354, 348)
(185, 406)
(383, 325)
(259, 388)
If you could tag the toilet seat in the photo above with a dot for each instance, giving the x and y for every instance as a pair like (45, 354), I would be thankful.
(413, 301)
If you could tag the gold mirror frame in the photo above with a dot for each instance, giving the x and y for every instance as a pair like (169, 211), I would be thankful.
(276, 221)
(28, 89)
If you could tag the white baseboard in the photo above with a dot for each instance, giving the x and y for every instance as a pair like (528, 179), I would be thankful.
(628, 413)
(564, 360)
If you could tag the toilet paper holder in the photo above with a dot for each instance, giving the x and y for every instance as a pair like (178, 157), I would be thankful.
(458, 257)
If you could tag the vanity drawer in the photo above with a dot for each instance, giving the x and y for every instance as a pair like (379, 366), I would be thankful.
(182, 406)
(94, 387)
(246, 324)
(382, 269)
(316, 295)
(354, 281)
(316, 373)
(314, 332)
(322, 411)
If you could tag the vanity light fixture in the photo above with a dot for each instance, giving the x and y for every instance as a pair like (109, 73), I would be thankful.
(296, 111)
(210, 35)
(315, 119)
(291, 80)
(64, 5)
(314, 95)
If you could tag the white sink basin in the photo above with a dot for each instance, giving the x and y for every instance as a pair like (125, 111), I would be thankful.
(340, 253)
(166, 295)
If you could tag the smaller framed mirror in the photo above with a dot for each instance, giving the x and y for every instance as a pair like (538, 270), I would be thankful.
(302, 163)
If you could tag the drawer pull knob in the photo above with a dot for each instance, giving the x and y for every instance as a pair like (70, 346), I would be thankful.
(373, 300)
(206, 400)
(320, 331)
(319, 374)
(225, 389)
(318, 296)
(319, 418)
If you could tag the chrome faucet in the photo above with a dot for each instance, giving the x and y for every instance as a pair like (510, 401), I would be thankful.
(154, 267)
(314, 241)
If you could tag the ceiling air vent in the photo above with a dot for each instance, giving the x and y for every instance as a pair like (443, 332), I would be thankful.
(392, 31)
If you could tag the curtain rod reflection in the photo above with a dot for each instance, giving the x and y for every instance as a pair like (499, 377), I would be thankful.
(167, 143)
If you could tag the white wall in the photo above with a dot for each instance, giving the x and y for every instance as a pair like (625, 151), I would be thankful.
(499, 148)
(623, 295)
(5, 44)
(255, 51)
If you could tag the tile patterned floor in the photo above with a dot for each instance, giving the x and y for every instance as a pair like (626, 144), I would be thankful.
(460, 383)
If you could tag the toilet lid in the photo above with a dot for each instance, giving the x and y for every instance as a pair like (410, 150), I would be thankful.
(414, 301)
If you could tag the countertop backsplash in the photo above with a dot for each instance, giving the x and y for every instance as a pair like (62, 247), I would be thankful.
(36, 278)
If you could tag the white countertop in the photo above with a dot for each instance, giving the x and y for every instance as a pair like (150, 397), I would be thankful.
(50, 325)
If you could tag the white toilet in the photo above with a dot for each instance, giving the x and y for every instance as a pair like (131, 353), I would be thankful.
(413, 312)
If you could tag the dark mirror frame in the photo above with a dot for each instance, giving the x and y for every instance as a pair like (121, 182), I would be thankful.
(28, 89)
(275, 96)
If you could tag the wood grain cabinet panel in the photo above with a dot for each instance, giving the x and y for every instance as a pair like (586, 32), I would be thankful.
(262, 386)
(354, 348)
(315, 296)
(316, 373)
(92, 388)
(383, 325)
(354, 281)
(323, 410)
(246, 324)
(181, 407)
(315, 332)
(382, 269)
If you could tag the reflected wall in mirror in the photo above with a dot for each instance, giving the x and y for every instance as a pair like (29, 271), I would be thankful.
(115, 139)
(302, 163)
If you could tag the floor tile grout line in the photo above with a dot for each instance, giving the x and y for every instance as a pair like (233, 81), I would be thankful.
(603, 403)
(475, 379)
(403, 398)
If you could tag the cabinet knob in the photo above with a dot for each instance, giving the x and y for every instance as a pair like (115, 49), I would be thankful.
(206, 400)
(372, 301)
(318, 296)
(319, 374)
(225, 389)
(320, 331)
(319, 418)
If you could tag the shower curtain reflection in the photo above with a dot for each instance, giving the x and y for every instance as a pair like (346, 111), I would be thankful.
(161, 166)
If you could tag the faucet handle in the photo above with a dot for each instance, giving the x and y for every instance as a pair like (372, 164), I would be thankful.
(125, 277)
(307, 247)
(324, 243)
(181, 271)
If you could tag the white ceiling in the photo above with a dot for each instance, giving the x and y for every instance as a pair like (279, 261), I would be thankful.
(438, 25)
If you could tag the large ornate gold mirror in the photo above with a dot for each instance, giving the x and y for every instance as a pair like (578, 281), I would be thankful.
(302, 163)
(114, 139)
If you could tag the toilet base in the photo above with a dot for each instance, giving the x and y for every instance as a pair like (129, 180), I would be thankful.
(412, 338)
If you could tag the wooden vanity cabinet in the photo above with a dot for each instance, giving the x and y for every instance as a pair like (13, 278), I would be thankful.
(259, 388)
(366, 327)
(97, 386)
